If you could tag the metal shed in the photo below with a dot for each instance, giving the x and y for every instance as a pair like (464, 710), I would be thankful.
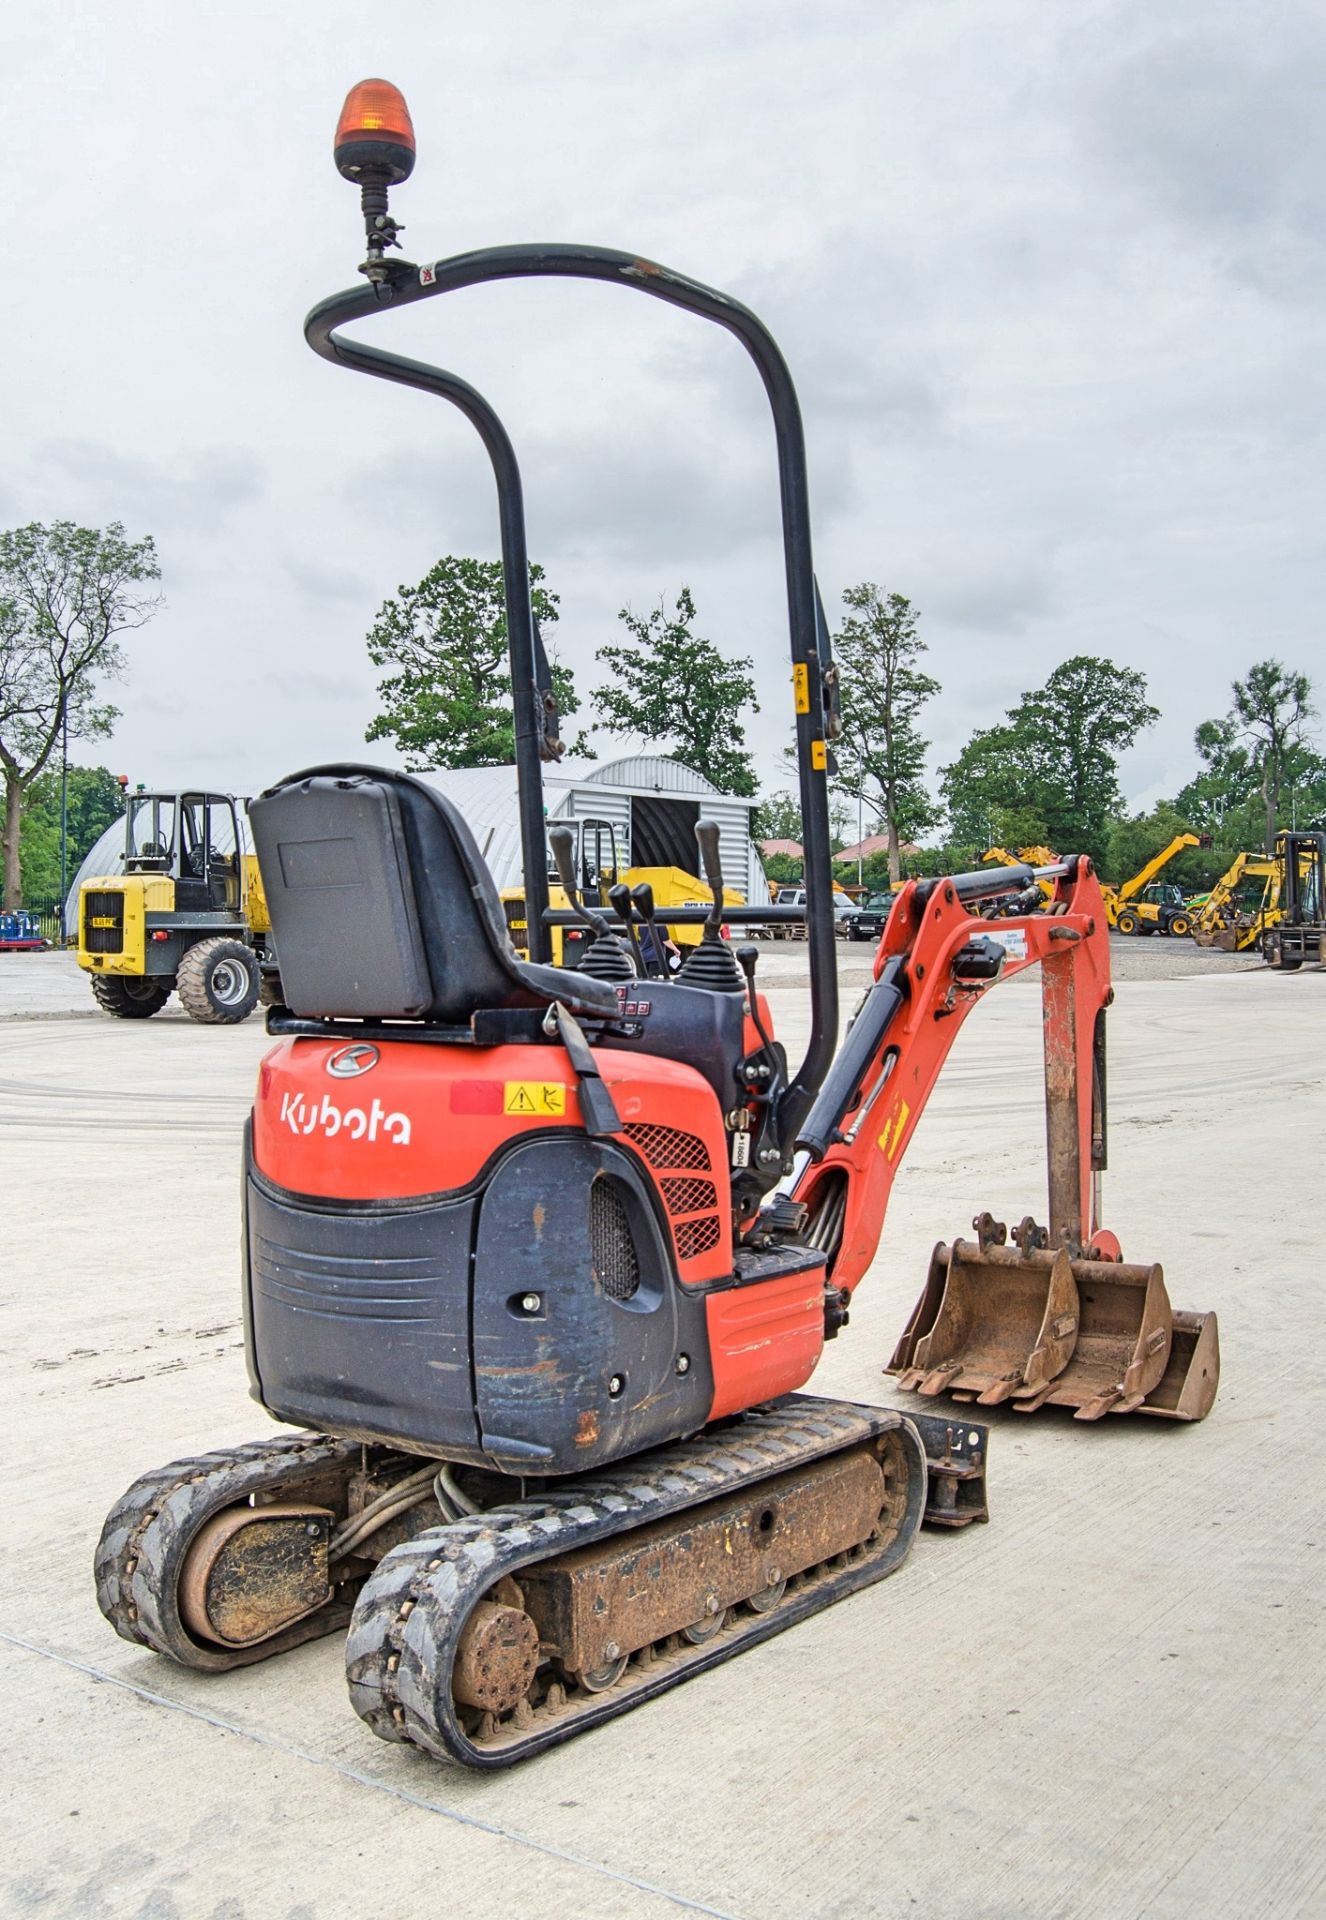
(651, 801)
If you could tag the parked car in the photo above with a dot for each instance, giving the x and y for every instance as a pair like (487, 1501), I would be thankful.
(866, 920)
(843, 909)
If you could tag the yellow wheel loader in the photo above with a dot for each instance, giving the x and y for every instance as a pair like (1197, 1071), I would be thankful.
(187, 915)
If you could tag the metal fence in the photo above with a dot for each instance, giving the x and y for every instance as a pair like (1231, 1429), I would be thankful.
(46, 907)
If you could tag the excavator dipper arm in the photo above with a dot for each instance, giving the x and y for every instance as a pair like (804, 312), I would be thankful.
(935, 962)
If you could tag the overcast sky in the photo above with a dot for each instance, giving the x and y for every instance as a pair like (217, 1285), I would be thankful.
(1049, 278)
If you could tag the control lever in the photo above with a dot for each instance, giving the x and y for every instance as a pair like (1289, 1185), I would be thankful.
(642, 899)
(620, 899)
(706, 833)
(562, 842)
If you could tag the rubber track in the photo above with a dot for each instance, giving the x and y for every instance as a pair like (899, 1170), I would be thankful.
(150, 1528)
(411, 1614)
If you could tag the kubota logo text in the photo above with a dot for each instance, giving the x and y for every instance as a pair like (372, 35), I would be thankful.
(304, 1117)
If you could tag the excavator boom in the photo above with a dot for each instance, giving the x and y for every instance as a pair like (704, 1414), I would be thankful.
(1059, 1318)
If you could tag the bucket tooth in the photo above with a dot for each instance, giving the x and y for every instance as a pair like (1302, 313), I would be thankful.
(940, 1378)
(1187, 1388)
(991, 1321)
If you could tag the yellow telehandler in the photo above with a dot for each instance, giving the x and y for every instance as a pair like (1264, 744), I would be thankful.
(1147, 905)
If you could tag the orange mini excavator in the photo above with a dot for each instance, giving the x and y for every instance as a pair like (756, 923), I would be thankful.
(537, 1258)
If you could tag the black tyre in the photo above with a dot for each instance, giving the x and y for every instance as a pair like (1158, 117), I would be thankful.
(129, 996)
(1179, 925)
(1126, 923)
(218, 982)
(1275, 956)
(270, 992)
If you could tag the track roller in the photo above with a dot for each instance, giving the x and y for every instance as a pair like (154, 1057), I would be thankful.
(631, 1580)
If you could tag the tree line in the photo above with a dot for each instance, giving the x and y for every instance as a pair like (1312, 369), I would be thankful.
(1045, 774)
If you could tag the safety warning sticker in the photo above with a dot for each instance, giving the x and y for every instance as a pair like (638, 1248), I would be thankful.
(534, 1097)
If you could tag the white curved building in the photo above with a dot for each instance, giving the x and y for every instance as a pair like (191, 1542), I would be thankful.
(652, 803)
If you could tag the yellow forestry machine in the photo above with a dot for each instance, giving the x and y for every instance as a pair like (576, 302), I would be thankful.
(187, 915)
(1145, 904)
(538, 1259)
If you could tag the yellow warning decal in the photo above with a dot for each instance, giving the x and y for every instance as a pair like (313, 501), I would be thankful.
(893, 1131)
(819, 759)
(801, 686)
(534, 1098)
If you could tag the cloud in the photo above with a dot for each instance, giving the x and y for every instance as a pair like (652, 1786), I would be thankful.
(189, 494)
(1220, 132)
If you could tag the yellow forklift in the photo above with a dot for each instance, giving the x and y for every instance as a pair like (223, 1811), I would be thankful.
(188, 914)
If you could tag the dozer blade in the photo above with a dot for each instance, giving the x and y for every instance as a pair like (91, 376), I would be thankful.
(1188, 1385)
(991, 1322)
(1038, 1329)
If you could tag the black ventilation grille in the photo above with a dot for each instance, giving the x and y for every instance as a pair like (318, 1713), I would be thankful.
(103, 906)
(697, 1236)
(689, 1196)
(612, 1250)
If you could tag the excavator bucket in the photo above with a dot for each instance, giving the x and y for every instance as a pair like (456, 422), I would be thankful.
(990, 1323)
(1037, 1328)
(1188, 1385)
(1124, 1336)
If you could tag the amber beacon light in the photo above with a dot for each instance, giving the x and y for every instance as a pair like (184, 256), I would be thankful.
(374, 138)
(374, 150)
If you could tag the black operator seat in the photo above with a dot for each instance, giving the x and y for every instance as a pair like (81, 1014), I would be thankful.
(383, 908)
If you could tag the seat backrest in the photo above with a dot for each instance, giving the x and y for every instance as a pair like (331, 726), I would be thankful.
(382, 907)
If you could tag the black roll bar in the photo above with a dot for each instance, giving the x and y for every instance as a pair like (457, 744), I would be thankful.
(403, 286)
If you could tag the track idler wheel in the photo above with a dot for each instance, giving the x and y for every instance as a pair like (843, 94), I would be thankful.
(223, 1560)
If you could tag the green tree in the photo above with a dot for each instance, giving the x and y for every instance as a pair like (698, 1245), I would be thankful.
(881, 751)
(95, 802)
(784, 870)
(1053, 760)
(778, 817)
(66, 593)
(667, 684)
(1259, 750)
(447, 700)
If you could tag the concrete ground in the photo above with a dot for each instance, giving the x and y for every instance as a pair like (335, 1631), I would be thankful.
(1108, 1702)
